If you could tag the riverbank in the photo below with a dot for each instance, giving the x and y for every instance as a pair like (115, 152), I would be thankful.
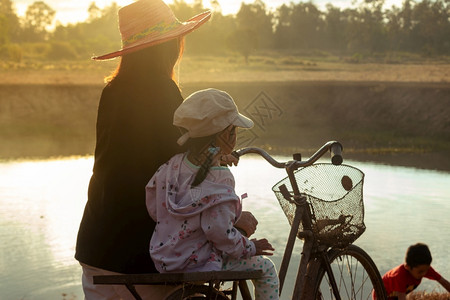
(399, 123)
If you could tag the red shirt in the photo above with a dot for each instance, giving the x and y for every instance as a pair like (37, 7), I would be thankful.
(401, 281)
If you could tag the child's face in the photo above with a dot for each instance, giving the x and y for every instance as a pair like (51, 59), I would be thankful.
(227, 140)
(419, 271)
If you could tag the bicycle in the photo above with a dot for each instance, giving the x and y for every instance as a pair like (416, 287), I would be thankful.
(324, 206)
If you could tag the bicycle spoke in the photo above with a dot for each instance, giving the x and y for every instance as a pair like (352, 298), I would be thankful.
(350, 272)
(355, 274)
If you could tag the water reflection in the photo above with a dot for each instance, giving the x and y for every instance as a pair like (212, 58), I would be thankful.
(41, 203)
(402, 206)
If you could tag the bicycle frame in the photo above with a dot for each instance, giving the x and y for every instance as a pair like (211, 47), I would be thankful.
(302, 214)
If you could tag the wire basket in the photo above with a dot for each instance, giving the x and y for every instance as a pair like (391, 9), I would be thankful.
(335, 196)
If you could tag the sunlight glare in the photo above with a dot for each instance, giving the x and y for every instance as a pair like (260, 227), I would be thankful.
(51, 199)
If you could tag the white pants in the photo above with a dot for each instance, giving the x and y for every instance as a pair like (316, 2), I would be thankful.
(266, 287)
(118, 292)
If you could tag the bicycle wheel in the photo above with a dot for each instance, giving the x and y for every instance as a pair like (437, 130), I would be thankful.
(194, 292)
(356, 276)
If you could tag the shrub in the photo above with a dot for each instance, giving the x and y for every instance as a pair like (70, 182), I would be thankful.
(15, 53)
(356, 58)
(35, 50)
(11, 52)
(61, 50)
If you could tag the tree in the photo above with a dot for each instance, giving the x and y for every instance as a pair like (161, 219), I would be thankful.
(9, 22)
(283, 26)
(374, 28)
(406, 25)
(215, 7)
(307, 25)
(243, 41)
(394, 29)
(300, 26)
(367, 29)
(431, 27)
(335, 29)
(94, 12)
(38, 17)
(98, 34)
(184, 11)
(4, 36)
(255, 18)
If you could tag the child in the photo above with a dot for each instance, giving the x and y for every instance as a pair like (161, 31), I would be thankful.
(406, 277)
(193, 202)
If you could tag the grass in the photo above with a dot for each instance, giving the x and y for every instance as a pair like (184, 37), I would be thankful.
(284, 68)
(423, 295)
(263, 66)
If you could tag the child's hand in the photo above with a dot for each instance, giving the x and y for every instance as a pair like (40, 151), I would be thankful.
(247, 222)
(228, 160)
(263, 247)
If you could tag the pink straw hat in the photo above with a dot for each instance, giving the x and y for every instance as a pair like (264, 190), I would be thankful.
(146, 23)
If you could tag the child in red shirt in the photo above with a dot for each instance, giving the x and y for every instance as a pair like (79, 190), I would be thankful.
(404, 278)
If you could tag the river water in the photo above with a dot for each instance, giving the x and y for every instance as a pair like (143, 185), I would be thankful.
(41, 204)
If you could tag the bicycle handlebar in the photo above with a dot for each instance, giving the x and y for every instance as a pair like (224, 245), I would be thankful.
(336, 153)
(333, 146)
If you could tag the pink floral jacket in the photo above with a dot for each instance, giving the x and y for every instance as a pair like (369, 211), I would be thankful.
(194, 226)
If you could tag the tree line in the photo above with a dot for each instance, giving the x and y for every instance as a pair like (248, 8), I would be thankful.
(368, 28)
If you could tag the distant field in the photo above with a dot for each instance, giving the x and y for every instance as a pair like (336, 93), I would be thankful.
(233, 69)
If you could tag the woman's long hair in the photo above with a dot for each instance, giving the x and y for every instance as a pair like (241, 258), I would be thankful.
(158, 59)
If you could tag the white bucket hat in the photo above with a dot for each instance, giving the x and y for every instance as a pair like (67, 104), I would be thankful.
(207, 112)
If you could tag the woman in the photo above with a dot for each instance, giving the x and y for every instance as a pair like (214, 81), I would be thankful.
(135, 136)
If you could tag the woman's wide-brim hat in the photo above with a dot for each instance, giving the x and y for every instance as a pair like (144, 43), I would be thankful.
(146, 23)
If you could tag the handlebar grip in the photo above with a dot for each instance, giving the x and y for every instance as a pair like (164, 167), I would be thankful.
(336, 154)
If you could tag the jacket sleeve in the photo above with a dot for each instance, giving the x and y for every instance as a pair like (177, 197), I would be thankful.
(218, 225)
(150, 197)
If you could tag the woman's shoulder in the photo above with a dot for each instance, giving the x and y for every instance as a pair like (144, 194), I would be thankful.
(161, 85)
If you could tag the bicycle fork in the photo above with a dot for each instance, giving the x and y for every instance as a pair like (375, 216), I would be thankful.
(305, 272)
(302, 216)
(307, 247)
(327, 265)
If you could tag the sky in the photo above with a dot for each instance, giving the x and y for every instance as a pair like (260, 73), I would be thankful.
(76, 10)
